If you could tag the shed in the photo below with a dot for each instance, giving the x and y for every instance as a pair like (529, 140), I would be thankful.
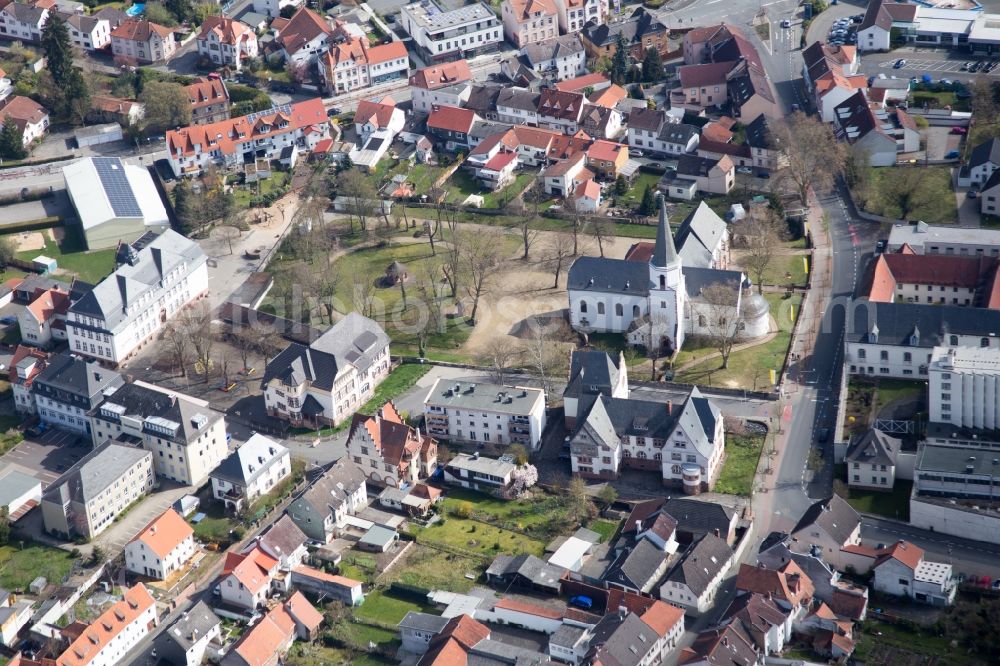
(45, 264)
(378, 539)
(187, 505)
(98, 134)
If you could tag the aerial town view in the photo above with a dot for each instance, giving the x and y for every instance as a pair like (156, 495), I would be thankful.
(499, 332)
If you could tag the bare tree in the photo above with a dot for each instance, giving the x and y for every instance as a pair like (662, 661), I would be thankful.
(229, 234)
(326, 285)
(178, 343)
(815, 156)
(541, 353)
(481, 259)
(428, 292)
(559, 251)
(360, 194)
(722, 317)
(196, 322)
(502, 355)
(528, 214)
(246, 342)
(363, 294)
(602, 230)
(576, 222)
(762, 232)
(452, 265)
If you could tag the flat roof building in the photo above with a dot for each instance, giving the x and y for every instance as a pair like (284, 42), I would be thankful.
(492, 413)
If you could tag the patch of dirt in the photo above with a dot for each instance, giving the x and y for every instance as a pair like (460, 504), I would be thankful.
(30, 240)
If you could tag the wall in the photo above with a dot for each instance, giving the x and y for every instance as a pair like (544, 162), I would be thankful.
(954, 520)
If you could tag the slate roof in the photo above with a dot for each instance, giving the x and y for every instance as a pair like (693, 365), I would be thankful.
(418, 621)
(193, 625)
(701, 563)
(699, 235)
(834, 515)
(699, 517)
(160, 411)
(483, 99)
(722, 646)
(352, 341)
(563, 46)
(142, 274)
(638, 568)
(518, 98)
(920, 325)
(621, 641)
(647, 119)
(282, 538)
(609, 276)
(94, 473)
(249, 460)
(331, 490)
(692, 165)
(536, 570)
(67, 375)
(756, 614)
(696, 279)
(758, 133)
(988, 152)
(634, 28)
(873, 447)
(679, 133)
(592, 371)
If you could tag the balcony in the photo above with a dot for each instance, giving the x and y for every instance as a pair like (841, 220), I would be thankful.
(519, 419)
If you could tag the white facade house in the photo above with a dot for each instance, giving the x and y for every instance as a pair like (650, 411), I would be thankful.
(527, 21)
(924, 238)
(448, 34)
(251, 471)
(447, 84)
(963, 387)
(90, 33)
(261, 135)
(114, 201)
(186, 436)
(694, 582)
(328, 380)
(321, 511)
(477, 472)
(559, 58)
(162, 548)
(107, 640)
(190, 638)
(485, 413)
(304, 37)
(574, 14)
(143, 41)
(246, 578)
(23, 21)
(68, 389)
(902, 571)
(226, 41)
(111, 322)
(31, 118)
(272, 8)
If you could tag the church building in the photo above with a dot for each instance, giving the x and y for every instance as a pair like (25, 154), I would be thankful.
(654, 296)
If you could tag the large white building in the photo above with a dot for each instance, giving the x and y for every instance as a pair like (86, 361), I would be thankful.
(186, 436)
(68, 388)
(448, 84)
(330, 379)
(659, 302)
(262, 135)
(156, 277)
(252, 470)
(928, 239)
(114, 200)
(964, 385)
(481, 412)
(163, 547)
(86, 499)
(444, 35)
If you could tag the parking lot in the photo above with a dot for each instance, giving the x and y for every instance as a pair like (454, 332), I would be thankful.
(46, 457)
(954, 66)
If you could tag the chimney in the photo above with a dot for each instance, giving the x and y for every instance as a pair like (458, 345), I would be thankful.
(638, 526)
(670, 406)
(768, 596)
(622, 612)
(717, 533)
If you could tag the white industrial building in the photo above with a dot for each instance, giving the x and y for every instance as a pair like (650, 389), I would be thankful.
(964, 386)
(481, 412)
(114, 200)
(928, 239)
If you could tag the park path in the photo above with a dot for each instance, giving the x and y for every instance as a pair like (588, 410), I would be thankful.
(771, 334)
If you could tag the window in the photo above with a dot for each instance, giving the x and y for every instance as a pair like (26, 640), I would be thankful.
(618, 310)
(635, 311)
(907, 357)
(985, 342)
(884, 355)
(600, 308)
(583, 306)
(862, 353)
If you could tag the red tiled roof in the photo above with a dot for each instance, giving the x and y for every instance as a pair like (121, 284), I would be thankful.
(609, 97)
(140, 30)
(316, 574)
(662, 617)
(580, 83)
(904, 552)
(387, 52)
(589, 189)
(716, 132)
(229, 31)
(109, 104)
(22, 352)
(304, 26)
(380, 112)
(789, 584)
(713, 73)
(500, 161)
(23, 110)
(440, 76)
(605, 150)
(96, 636)
(164, 533)
(451, 118)
(526, 9)
(303, 612)
(49, 303)
(207, 90)
(268, 638)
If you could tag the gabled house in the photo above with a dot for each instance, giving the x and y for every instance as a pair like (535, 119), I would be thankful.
(320, 511)
(352, 63)
(629, 638)
(702, 239)
(524, 571)
(266, 643)
(23, 21)
(250, 472)
(325, 382)
(828, 525)
(562, 178)
(209, 100)
(227, 42)
(762, 620)
(43, 321)
(871, 460)
(587, 198)
(722, 646)
(764, 146)
(246, 578)
(601, 122)
(701, 174)
(161, 548)
(25, 365)
(529, 21)
(303, 38)
(574, 14)
(591, 374)
(390, 452)
(556, 59)
(452, 127)
(701, 86)
(371, 117)
(68, 388)
(115, 632)
(283, 541)
(788, 586)
(447, 84)
(641, 31)
(108, 109)
(694, 582)
(518, 106)
(93, 32)
(560, 111)
(143, 41)
(193, 637)
(31, 118)
(900, 570)
(983, 161)
(867, 130)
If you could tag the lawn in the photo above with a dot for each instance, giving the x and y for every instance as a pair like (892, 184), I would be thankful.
(895, 504)
(479, 538)
(9, 435)
(890, 390)
(423, 176)
(788, 269)
(402, 379)
(633, 197)
(363, 634)
(645, 231)
(740, 466)
(243, 194)
(264, 504)
(317, 654)
(382, 606)
(748, 368)
(606, 528)
(18, 567)
(72, 256)
(884, 643)
(939, 100)
(931, 200)
(433, 570)
(216, 526)
(462, 183)
(542, 516)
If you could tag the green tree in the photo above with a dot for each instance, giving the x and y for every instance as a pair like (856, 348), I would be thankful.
(4, 526)
(76, 100)
(157, 12)
(621, 186)
(182, 10)
(578, 501)
(167, 105)
(648, 205)
(619, 61)
(186, 206)
(608, 495)
(58, 49)
(11, 141)
(7, 250)
(652, 66)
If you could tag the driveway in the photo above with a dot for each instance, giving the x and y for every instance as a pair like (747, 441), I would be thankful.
(48, 456)
(968, 210)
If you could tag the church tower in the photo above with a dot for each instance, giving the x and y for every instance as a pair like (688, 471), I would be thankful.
(667, 291)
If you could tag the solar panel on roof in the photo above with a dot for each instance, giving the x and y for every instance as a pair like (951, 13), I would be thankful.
(285, 109)
(111, 171)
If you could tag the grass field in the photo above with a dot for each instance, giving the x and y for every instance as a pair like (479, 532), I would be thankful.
(882, 643)
(317, 654)
(740, 466)
(363, 634)
(788, 269)
(890, 390)
(605, 528)
(216, 525)
(633, 197)
(380, 606)
(542, 515)
(476, 537)
(18, 567)
(72, 256)
(462, 183)
(432, 569)
(894, 504)
(748, 368)
(275, 183)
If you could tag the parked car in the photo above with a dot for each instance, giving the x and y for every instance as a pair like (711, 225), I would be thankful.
(963, 94)
(823, 435)
(763, 174)
(899, 64)
(959, 130)
(880, 246)
(971, 194)
(952, 155)
(744, 169)
(786, 23)
(8, 320)
(581, 601)
(636, 153)
(966, 66)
